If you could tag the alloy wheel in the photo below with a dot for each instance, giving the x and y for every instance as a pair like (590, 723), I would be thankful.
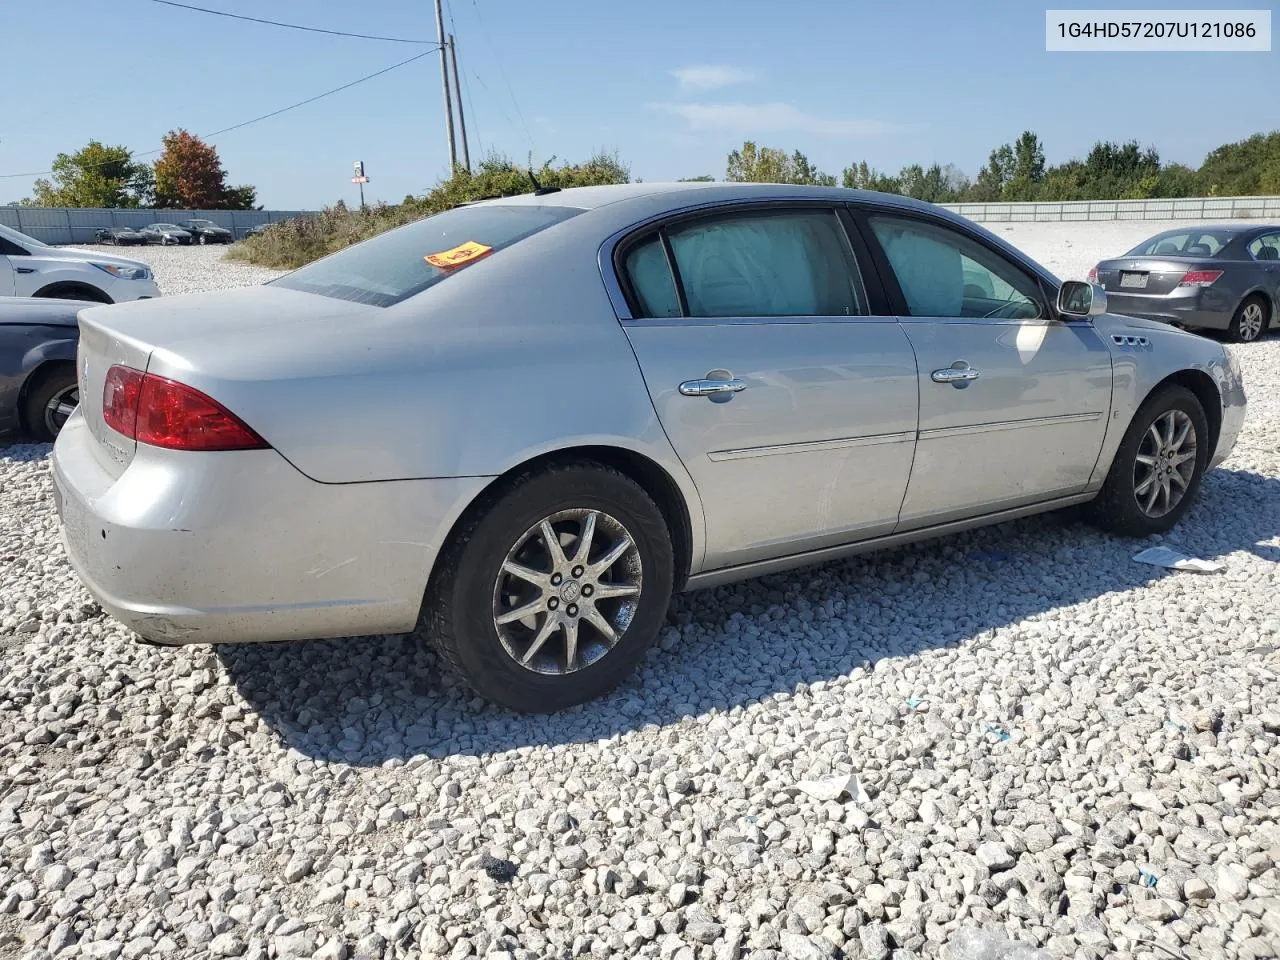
(1165, 464)
(567, 591)
(60, 406)
(1251, 321)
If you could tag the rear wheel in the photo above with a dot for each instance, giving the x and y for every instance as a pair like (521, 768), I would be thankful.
(203, 240)
(1249, 321)
(550, 596)
(50, 401)
(1158, 468)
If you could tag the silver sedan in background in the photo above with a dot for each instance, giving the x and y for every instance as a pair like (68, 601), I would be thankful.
(1223, 277)
(525, 422)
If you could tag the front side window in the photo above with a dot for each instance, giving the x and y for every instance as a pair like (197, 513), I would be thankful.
(393, 266)
(786, 264)
(1265, 247)
(943, 273)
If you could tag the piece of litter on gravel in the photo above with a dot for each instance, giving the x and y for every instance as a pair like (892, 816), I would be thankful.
(1147, 878)
(914, 703)
(1000, 735)
(833, 788)
(1172, 559)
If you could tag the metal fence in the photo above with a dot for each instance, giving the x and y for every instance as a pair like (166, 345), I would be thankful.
(1193, 208)
(80, 225)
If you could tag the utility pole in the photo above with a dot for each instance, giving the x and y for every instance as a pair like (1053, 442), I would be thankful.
(444, 79)
(457, 92)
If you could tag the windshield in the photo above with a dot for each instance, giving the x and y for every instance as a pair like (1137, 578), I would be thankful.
(200, 223)
(1183, 243)
(21, 239)
(400, 263)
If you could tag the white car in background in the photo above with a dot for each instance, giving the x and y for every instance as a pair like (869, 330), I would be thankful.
(29, 268)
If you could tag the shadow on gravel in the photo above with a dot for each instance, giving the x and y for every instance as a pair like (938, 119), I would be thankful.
(365, 701)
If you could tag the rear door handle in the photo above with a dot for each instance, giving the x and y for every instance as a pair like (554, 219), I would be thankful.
(712, 388)
(958, 373)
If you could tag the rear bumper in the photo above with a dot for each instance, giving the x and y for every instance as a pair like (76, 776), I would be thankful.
(241, 547)
(1199, 309)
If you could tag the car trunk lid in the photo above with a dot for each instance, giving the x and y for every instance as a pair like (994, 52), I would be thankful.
(1149, 276)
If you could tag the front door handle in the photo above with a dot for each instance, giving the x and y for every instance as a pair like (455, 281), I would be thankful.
(712, 388)
(958, 373)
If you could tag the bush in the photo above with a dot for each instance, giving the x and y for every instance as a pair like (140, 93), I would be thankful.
(293, 243)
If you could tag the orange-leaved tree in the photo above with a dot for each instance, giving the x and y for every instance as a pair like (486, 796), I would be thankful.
(190, 176)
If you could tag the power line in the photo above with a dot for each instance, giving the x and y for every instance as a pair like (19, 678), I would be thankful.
(265, 116)
(503, 73)
(291, 26)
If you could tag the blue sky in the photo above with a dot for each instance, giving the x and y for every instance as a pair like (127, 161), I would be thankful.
(672, 85)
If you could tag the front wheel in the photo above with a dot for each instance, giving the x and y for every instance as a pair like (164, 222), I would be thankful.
(1158, 467)
(549, 597)
(1249, 320)
(203, 240)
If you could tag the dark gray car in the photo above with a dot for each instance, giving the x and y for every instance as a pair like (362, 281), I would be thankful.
(1216, 277)
(38, 339)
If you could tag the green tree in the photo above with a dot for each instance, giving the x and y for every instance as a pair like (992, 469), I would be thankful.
(754, 164)
(95, 176)
(860, 176)
(1244, 168)
(705, 178)
(993, 177)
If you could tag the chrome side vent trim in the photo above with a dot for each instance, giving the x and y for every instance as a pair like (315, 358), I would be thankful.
(1126, 340)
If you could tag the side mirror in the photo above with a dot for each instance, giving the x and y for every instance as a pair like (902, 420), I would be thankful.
(1081, 301)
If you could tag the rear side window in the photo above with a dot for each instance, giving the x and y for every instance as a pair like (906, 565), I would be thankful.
(1266, 247)
(393, 266)
(768, 264)
(650, 276)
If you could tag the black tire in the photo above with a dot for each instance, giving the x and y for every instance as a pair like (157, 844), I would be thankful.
(459, 605)
(1240, 331)
(53, 383)
(1116, 508)
(203, 240)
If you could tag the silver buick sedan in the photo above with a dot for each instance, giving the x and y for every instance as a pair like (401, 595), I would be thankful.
(525, 422)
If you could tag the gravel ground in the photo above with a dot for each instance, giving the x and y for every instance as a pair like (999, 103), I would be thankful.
(1052, 742)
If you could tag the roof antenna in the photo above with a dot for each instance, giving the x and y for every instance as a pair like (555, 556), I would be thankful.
(538, 189)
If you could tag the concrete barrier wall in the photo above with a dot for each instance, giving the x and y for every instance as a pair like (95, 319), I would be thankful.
(79, 225)
(1190, 208)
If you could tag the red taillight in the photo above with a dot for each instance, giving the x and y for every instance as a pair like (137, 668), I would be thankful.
(1093, 275)
(1199, 278)
(165, 413)
(120, 399)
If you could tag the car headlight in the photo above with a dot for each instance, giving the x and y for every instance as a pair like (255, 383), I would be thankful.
(125, 273)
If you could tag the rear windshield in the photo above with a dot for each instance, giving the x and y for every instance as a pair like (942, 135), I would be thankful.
(394, 266)
(1186, 243)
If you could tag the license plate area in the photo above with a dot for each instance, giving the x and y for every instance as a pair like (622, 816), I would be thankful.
(1133, 281)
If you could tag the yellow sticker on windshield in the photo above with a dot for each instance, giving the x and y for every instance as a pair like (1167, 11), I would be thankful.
(463, 253)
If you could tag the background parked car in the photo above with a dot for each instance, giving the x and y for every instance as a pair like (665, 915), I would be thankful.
(1216, 277)
(255, 230)
(121, 236)
(165, 233)
(206, 231)
(38, 388)
(29, 268)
